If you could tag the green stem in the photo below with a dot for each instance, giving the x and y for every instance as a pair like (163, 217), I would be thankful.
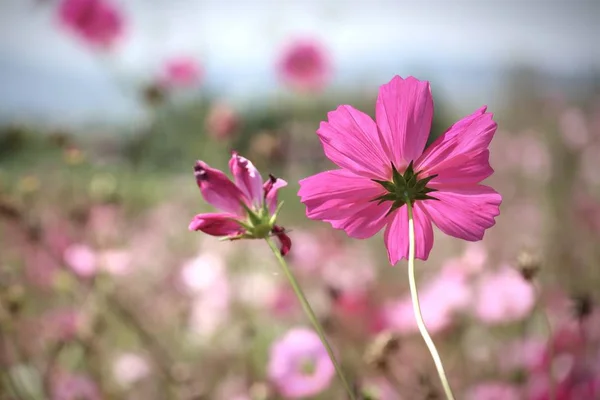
(548, 323)
(311, 315)
(417, 308)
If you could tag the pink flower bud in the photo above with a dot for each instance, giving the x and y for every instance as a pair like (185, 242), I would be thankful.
(216, 224)
(247, 178)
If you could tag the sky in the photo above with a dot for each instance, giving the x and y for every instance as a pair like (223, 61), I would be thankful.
(45, 73)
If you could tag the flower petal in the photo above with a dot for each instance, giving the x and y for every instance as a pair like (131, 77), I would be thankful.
(216, 224)
(270, 189)
(464, 212)
(404, 112)
(344, 199)
(470, 168)
(247, 178)
(396, 234)
(218, 190)
(351, 140)
(284, 240)
(471, 135)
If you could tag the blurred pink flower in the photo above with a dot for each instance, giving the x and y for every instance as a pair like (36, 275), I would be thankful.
(305, 66)
(82, 260)
(62, 324)
(97, 22)
(573, 129)
(522, 355)
(206, 279)
(384, 162)
(503, 296)
(299, 365)
(474, 257)
(181, 72)
(129, 368)
(248, 201)
(116, 262)
(493, 391)
(66, 386)
(222, 121)
(440, 298)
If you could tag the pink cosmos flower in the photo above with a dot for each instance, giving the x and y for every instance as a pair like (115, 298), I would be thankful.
(299, 365)
(181, 72)
(493, 391)
(504, 296)
(441, 299)
(222, 121)
(66, 386)
(249, 207)
(304, 66)
(384, 163)
(82, 260)
(98, 22)
(130, 368)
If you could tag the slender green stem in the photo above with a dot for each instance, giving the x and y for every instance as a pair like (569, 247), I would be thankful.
(417, 308)
(548, 323)
(311, 315)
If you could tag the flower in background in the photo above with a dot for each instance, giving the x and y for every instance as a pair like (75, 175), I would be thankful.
(222, 121)
(97, 22)
(181, 72)
(493, 391)
(81, 259)
(573, 129)
(304, 66)
(62, 324)
(384, 164)
(66, 386)
(206, 279)
(441, 298)
(503, 296)
(299, 365)
(249, 206)
(129, 368)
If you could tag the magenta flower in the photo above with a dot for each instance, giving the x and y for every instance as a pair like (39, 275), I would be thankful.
(384, 164)
(97, 22)
(181, 72)
(504, 296)
(304, 66)
(66, 386)
(299, 365)
(249, 207)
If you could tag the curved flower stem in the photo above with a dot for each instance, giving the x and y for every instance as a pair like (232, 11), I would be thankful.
(417, 308)
(311, 316)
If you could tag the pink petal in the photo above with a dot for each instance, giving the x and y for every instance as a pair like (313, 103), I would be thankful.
(464, 212)
(404, 112)
(344, 199)
(247, 178)
(216, 224)
(270, 189)
(351, 140)
(218, 190)
(469, 168)
(471, 135)
(396, 234)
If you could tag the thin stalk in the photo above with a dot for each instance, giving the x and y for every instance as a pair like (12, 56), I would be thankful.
(417, 308)
(311, 316)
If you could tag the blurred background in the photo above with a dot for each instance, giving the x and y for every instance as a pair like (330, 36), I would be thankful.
(105, 105)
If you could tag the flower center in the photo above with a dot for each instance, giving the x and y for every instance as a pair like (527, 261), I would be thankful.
(307, 367)
(404, 188)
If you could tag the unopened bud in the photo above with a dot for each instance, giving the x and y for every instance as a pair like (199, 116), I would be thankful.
(379, 351)
(528, 264)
